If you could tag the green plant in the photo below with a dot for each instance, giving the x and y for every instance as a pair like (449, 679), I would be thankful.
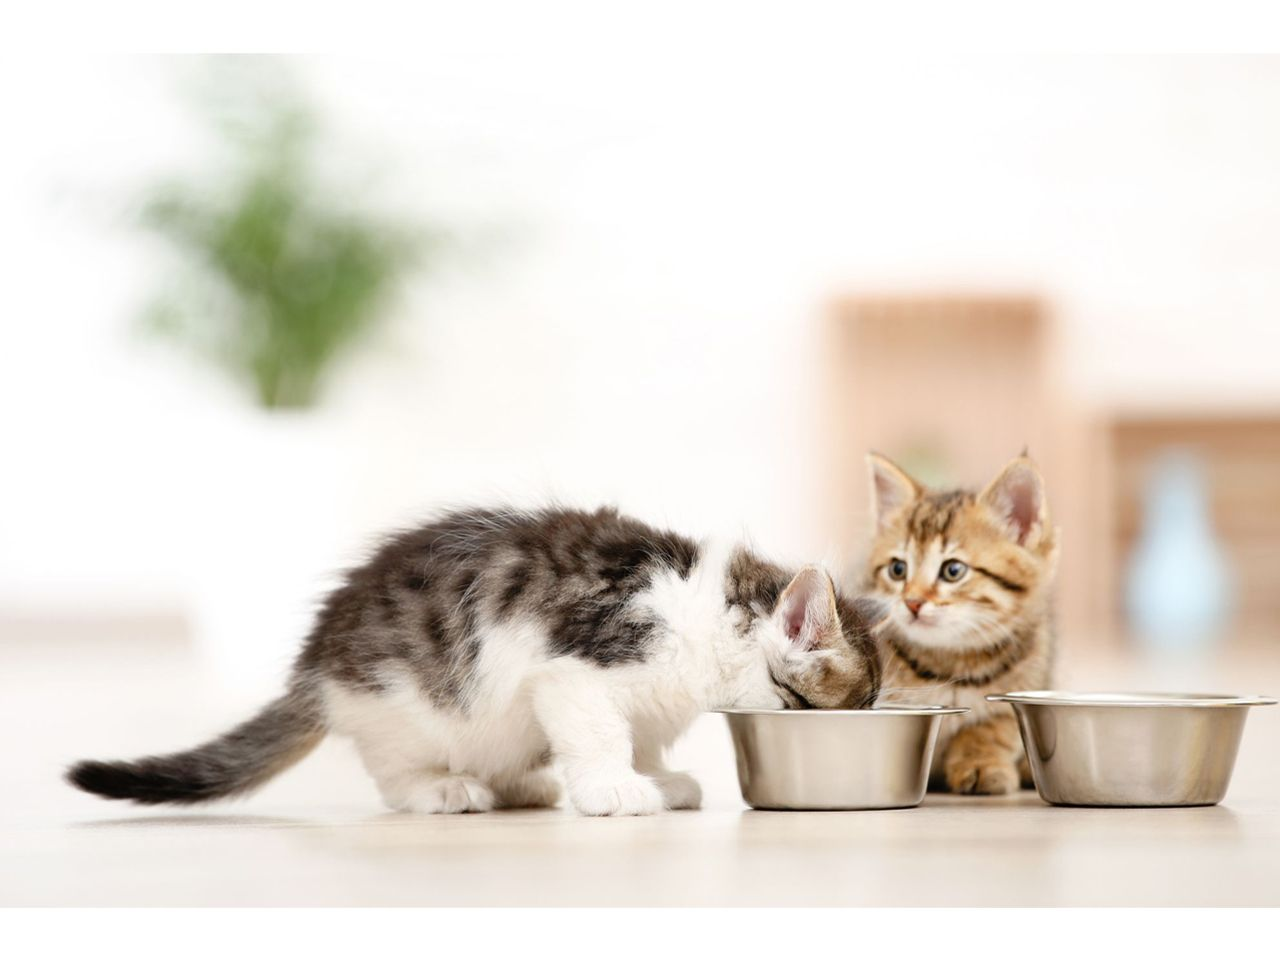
(281, 274)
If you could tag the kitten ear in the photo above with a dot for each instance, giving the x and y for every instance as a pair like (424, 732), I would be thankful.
(806, 611)
(891, 488)
(1016, 497)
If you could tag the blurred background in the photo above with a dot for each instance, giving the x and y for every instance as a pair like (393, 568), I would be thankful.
(260, 309)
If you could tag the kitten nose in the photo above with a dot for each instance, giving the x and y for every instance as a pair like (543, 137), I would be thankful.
(914, 604)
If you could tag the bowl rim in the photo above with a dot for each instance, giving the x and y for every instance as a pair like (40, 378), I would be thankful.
(884, 710)
(1129, 698)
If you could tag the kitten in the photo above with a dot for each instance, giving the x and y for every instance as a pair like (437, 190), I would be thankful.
(467, 655)
(968, 580)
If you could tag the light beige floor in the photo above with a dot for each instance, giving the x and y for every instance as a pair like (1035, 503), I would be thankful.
(317, 836)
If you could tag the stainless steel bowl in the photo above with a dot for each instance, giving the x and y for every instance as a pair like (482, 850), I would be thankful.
(835, 759)
(1130, 749)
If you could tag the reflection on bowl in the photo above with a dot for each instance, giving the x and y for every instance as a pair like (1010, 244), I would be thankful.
(835, 759)
(1130, 749)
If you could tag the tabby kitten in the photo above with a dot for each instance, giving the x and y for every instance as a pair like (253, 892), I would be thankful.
(968, 579)
(467, 655)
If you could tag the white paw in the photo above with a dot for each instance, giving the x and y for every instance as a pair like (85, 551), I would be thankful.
(537, 788)
(626, 796)
(679, 791)
(450, 794)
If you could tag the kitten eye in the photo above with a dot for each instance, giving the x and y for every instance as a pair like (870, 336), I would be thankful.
(897, 569)
(953, 570)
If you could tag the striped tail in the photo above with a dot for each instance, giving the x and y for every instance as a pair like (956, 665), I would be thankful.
(280, 735)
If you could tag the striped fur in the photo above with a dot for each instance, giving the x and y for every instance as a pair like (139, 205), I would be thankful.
(470, 653)
(954, 639)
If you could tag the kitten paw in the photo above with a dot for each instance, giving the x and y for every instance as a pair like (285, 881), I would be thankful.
(537, 788)
(447, 794)
(982, 778)
(679, 791)
(629, 796)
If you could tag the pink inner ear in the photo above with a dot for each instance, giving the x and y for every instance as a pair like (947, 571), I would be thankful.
(1022, 495)
(805, 611)
(793, 620)
(885, 490)
(890, 494)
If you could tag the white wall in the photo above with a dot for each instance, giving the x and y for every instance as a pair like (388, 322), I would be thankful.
(647, 331)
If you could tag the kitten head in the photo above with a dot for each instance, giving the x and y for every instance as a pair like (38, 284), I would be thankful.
(818, 645)
(960, 569)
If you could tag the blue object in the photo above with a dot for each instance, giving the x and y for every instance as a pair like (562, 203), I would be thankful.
(1178, 596)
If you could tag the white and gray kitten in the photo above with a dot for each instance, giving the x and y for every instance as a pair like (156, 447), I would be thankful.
(468, 655)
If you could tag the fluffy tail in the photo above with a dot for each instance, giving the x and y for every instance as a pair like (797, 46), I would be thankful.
(280, 735)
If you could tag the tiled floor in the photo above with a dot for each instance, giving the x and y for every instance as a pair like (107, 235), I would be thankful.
(318, 836)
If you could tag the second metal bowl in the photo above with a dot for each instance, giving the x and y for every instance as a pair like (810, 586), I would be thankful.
(835, 759)
(1130, 749)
